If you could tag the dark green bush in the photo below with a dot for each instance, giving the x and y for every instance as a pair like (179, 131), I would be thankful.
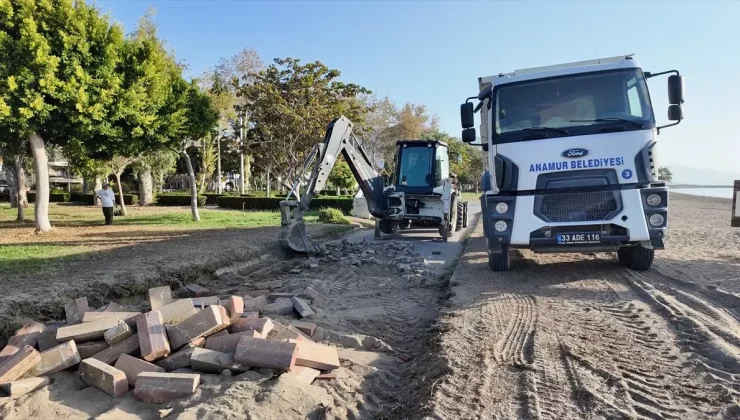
(4, 197)
(211, 198)
(334, 216)
(179, 200)
(128, 199)
(53, 197)
(259, 203)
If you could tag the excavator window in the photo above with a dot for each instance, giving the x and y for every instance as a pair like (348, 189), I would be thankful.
(441, 164)
(416, 166)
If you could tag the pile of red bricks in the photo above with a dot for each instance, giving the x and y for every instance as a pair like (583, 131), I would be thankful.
(114, 350)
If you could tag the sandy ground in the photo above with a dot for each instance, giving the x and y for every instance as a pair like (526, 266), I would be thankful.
(377, 316)
(577, 336)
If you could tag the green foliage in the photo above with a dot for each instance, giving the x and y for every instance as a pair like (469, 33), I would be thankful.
(289, 105)
(178, 200)
(331, 215)
(665, 174)
(58, 73)
(341, 176)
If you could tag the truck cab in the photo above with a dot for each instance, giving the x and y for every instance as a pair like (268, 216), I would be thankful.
(571, 158)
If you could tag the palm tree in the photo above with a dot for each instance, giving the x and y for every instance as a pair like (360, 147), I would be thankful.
(665, 174)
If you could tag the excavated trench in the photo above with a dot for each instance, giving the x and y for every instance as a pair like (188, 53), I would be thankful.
(375, 301)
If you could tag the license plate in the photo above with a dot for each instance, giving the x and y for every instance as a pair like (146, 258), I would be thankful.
(578, 238)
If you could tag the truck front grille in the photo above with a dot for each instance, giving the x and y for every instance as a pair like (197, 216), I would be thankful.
(578, 207)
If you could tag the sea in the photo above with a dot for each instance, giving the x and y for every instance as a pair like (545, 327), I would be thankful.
(705, 192)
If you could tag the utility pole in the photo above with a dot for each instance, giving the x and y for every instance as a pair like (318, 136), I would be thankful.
(218, 164)
(241, 154)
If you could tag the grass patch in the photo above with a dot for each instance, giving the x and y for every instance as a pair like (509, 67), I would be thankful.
(471, 196)
(34, 257)
(212, 219)
(80, 232)
(72, 215)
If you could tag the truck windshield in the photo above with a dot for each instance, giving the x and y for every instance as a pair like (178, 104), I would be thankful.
(416, 166)
(572, 105)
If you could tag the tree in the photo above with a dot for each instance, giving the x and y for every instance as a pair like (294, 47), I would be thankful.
(82, 165)
(378, 139)
(207, 160)
(290, 105)
(665, 174)
(57, 78)
(116, 166)
(162, 163)
(341, 176)
(221, 84)
(413, 122)
(14, 162)
(192, 116)
(385, 124)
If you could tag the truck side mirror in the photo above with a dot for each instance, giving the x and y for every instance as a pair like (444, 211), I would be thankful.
(675, 113)
(675, 90)
(466, 115)
(468, 135)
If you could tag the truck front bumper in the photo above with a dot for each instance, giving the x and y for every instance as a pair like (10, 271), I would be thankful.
(524, 229)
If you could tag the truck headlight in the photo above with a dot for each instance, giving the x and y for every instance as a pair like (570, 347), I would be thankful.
(654, 200)
(656, 220)
(502, 208)
(501, 226)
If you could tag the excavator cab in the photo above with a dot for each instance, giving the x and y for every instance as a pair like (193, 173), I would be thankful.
(421, 166)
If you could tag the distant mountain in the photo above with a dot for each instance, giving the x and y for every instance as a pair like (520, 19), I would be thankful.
(703, 176)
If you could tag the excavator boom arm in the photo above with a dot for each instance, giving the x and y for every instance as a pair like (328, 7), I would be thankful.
(339, 139)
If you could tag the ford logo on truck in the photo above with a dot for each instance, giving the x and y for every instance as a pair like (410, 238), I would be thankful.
(575, 153)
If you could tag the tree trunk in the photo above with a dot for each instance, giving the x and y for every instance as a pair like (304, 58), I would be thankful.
(85, 185)
(20, 185)
(193, 188)
(247, 171)
(218, 166)
(120, 195)
(201, 183)
(241, 155)
(12, 185)
(97, 187)
(268, 182)
(146, 195)
(41, 164)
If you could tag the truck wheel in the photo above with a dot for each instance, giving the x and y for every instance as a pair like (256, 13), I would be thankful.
(404, 224)
(388, 226)
(499, 261)
(453, 217)
(461, 223)
(465, 217)
(444, 230)
(636, 257)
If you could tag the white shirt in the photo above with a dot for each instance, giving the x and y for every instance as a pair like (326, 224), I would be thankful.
(107, 198)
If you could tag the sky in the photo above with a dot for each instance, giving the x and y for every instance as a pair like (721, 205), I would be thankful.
(432, 53)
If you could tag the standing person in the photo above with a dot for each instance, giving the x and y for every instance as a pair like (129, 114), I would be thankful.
(108, 200)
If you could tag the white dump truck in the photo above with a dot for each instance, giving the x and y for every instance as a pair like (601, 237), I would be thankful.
(571, 159)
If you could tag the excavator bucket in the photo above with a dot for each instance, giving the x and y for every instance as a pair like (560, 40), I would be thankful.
(293, 236)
